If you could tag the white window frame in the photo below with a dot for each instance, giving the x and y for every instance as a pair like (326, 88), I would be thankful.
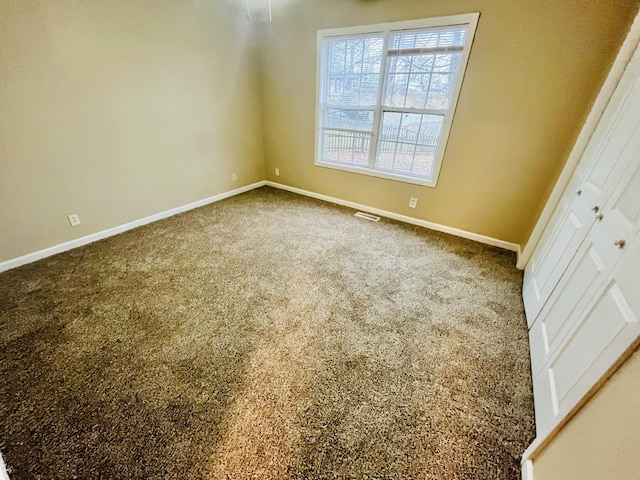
(470, 20)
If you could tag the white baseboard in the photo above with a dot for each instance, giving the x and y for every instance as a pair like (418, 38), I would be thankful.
(78, 242)
(527, 470)
(3, 470)
(514, 247)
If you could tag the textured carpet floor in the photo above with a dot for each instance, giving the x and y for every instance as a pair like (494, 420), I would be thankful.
(268, 336)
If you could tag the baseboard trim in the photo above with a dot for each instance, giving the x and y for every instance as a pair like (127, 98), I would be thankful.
(78, 242)
(3, 470)
(514, 247)
(527, 470)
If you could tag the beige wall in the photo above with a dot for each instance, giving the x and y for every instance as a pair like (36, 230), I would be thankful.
(119, 109)
(534, 70)
(603, 440)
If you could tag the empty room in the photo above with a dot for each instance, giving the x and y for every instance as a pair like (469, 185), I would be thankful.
(319, 239)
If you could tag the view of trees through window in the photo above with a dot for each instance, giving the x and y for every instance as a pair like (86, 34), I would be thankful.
(384, 98)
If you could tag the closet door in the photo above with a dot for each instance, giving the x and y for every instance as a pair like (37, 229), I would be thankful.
(568, 230)
(594, 259)
(597, 173)
(596, 311)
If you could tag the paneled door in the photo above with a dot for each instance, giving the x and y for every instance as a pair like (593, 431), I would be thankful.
(593, 316)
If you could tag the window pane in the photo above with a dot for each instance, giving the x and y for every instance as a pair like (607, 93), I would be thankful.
(337, 56)
(390, 126)
(423, 161)
(404, 157)
(347, 148)
(409, 127)
(418, 89)
(404, 127)
(372, 55)
(386, 154)
(447, 63)
(350, 119)
(408, 143)
(369, 89)
(440, 91)
(421, 81)
(430, 130)
(352, 71)
(397, 89)
(423, 63)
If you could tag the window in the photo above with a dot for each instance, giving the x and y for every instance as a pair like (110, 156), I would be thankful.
(387, 95)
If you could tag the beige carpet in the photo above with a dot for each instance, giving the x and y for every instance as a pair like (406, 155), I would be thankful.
(268, 336)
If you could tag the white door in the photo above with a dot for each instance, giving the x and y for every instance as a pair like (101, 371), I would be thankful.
(557, 249)
(593, 260)
(595, 312)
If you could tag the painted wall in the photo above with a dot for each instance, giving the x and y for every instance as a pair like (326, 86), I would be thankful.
(534, 70)
(116, 110)
(602, 440)
(119, 109)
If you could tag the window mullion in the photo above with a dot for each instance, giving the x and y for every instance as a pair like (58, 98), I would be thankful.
(377, 116)
(323, 110)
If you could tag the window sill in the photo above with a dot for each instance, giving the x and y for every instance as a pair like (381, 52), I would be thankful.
(426, 182)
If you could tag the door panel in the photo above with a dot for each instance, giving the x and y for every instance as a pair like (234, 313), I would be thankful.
(629, 203)
(610, 117)
(574, 292)
(609, 327)
(621, 216)
(570, 232)
(592, 318)
(607, 330)
(545, 401)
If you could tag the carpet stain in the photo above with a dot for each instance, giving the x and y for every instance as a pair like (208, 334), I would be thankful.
(267, 336)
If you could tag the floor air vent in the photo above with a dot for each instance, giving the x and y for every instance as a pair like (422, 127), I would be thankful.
(367, 216)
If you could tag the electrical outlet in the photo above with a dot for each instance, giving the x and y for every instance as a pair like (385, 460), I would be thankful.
(74, 220)
(277, 172)
(234, 177)
(413, 202)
